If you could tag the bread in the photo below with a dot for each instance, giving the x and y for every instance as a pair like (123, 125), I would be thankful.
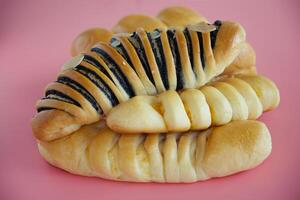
(130, 23)
(131, 65)
(170, 98)
(244, 63)
(180, 17)
(239, 98)
(88, 38)
(95, 150)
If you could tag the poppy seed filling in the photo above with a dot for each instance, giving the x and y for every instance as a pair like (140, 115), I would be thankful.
(157, 48)
(136, 42)
(79, 88)
(176, 57)
(213, 34)
(189, 46)
(116, 71)
(57, 95)
(101, 85)
(200, 38)
(117, 45)
(91, 60)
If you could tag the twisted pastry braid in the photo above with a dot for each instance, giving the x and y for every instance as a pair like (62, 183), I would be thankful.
(142, 63)
(95, 150)
(239, 98)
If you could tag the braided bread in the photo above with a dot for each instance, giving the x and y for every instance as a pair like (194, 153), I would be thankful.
(95, 150)
(142, 63)
(175, 16)
(240, 98)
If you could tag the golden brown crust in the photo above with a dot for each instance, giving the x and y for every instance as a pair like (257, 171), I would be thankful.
(97, 151)
(85, 40)
(245, 97)
(61, 124)
(244, 63)
(180, 17)
(230, 40)
(170, 65)
(130, 23)
(188, 74)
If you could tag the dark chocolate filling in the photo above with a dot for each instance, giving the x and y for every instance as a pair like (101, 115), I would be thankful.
(44, 109)
(201, 49)
(79, 88)
(189, 46)
(136, 42)
(213, 34)
(115, 70)
(98, 81)
(93, 61)
(117, 45)
(176, 57)
(157, 48)
(57, 95)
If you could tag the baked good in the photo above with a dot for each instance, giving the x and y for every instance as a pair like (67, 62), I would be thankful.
(180, 17)
(142, 63)
(95, 150)
(170, 17)
(170, 98)
(88, 38)
(130, 23)
(219, 102)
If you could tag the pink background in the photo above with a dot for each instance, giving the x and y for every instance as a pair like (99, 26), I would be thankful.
(35, 38)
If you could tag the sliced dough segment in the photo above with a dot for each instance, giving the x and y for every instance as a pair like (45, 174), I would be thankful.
(129, 158)
(236, 100)
(220, 108)
(170, 155)
(152, 146)
(265, 89)
(145, 106)
(171, 105)
(187, 71)
(255, 108)
(187, 157)
(197, 108)
(99, 157)
(151, 61)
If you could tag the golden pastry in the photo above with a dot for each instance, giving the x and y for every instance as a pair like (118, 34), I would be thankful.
(240, 98)
(95, 150)
(163, 99)
(130, 23)
(85, 40)
(180, 17)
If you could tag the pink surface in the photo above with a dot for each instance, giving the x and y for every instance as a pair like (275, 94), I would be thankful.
(35, 37)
